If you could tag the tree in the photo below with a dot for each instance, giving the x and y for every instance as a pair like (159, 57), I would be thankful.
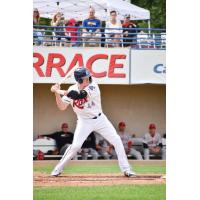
(157, 10)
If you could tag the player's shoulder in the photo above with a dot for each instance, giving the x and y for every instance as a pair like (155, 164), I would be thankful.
(158, 134)
(73, 87)
(147, 134)
(93, 86)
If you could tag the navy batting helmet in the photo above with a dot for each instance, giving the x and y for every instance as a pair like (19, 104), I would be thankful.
(80, 73)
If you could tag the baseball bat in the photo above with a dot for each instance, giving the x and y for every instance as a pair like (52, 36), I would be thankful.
(68, 75)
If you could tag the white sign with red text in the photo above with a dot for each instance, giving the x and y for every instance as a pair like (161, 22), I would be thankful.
(108, 66)
(148, 66)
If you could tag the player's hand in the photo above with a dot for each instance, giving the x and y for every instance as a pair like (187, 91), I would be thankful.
(55, 87)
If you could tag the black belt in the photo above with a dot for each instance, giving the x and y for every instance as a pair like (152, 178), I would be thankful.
(97, 116)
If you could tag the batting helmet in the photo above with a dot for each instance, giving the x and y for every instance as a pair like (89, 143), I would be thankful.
(81, 73)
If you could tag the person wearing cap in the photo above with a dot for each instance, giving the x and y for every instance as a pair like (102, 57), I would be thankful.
(89, 148)
(128, 142)
(63, 139)
(129, 33)
(152, 143)
(71, 30)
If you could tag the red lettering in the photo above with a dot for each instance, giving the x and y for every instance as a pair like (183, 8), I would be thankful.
(79, 103)
(58, 66)
(114, 65)
(38, 64)
(77, 59)
(92, 60)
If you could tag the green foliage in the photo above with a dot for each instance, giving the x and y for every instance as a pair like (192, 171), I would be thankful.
(157, 10)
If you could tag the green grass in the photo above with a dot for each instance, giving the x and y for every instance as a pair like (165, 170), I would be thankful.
(101, 169)
(125, 192)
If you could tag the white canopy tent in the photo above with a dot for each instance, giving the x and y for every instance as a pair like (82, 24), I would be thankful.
(78, 9)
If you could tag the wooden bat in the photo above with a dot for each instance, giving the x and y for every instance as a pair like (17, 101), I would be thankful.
(68, 75)
(63, 80)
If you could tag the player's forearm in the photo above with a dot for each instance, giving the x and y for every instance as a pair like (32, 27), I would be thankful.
(61, 105)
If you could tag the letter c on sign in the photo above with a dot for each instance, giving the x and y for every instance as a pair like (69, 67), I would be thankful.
(159, 69)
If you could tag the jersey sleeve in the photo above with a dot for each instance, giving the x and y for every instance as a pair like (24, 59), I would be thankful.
(66, 99)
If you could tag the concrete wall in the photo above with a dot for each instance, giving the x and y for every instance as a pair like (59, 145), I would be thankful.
(137, 105)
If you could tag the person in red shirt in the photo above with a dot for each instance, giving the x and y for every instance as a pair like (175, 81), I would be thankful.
(129, 34)
(71, 30)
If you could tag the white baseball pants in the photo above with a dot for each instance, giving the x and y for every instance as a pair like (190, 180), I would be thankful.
(102, 126)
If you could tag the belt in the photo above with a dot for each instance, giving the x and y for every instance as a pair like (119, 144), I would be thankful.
(97, 116)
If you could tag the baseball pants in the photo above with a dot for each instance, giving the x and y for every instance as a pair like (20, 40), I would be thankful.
(104, 127)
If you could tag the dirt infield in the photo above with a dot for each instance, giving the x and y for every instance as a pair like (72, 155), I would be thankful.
(43, 179)
(79, 179)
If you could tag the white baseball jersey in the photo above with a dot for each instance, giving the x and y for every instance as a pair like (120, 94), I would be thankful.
(88, 107)
(152, 141)
(125, 137)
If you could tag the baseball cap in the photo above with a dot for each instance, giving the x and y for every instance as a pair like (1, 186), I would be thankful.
(127, 16)
(122, 124)
(64, 125)
(152, 126)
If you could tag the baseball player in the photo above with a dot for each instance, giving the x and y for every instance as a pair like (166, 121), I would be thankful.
(89, 147)
(85, 99)
(103, 147)
(152, 143)
(127, 142)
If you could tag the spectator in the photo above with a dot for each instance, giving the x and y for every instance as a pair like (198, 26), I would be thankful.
(71, 30)
(113, 34)
(152, 143)
(89, 147)
(91, 27)
(63, 139)
(36, 33)
(129, 34)
(58, 20)
(103, 147)
(127, 142)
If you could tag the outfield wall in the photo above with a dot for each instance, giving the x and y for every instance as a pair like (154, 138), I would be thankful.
(137, 105)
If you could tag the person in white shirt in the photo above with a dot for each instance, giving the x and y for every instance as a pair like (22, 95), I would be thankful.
(85, 99)
(113, 33)
(152, 143)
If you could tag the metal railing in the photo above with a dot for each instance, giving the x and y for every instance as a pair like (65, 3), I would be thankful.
(139, 38)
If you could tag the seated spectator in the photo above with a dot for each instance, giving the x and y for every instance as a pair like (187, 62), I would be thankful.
(152, 143)
(113, 34)
(142, 39)
(128, 142)
(36, 33)
(91, 28)
(71, 30)
(103, 147)
(63, 139)
(129, 34)
(89, 147)
(58, 20)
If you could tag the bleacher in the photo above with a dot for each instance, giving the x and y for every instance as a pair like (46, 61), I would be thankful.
(142, 38)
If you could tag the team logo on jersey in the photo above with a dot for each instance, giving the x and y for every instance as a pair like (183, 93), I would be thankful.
(80, 103)
(91, 87)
